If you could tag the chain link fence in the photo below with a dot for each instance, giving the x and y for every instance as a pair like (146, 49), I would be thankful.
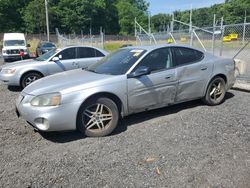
(231, 41)
(88, 40)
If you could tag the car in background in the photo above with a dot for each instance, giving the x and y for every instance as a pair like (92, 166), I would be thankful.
(22, 73)
(14, 44)
(43, 47)
(131, 80)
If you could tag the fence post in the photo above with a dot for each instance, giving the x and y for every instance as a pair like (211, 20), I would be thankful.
(191, 37)
(244, 28)
(222, 36)
(213, 42)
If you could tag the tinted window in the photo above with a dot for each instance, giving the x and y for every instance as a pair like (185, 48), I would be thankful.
(86, 52)
(157, 60)
(69, 53)
(99, 54)
(187, 55)
(118, 62)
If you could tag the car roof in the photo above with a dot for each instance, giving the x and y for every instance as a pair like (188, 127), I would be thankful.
(156, 46)
(75, 46)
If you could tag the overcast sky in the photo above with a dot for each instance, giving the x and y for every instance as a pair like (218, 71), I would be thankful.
(168, 6)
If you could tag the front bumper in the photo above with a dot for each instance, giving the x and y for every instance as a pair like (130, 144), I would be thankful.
(15, 57)
(56, 118)
(9, 79)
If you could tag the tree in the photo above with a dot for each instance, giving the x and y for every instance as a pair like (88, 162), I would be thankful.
(127, 12)
(160, 22)
(33, 16)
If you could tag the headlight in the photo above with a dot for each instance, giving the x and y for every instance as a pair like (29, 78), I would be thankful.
(4, 51)
(8, 71)
(51, 99)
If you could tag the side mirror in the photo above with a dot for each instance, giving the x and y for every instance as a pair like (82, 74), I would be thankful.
(55, 59)
(139, 72)
(28, 45)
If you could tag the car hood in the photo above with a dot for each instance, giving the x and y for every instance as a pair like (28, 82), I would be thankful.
(69, 81)
(20, 63)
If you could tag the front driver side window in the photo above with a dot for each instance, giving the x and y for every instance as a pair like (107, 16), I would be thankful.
(69, 53)
(157, 60)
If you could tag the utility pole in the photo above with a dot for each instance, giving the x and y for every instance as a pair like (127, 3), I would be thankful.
(47, 18)
(149, 22)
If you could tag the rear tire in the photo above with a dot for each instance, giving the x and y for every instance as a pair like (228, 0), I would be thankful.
(216, 91)
(29, 78)
(98, 117)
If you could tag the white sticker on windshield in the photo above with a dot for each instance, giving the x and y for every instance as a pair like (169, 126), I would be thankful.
(136, 51)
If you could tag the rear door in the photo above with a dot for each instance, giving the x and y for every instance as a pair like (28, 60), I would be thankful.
(156, 89)
(87, 56)
(193, 73)
(67, 60)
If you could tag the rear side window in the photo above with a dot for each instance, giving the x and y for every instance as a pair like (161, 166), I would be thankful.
(85, 52)
(187, 55)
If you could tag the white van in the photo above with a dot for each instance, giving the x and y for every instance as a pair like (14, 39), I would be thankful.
(13, 44)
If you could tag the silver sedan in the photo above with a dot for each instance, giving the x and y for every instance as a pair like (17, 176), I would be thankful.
(130, 80)
(22, 73)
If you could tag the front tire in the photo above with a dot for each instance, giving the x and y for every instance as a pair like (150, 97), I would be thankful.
(216, 91)
(28, 78)
(98, 117)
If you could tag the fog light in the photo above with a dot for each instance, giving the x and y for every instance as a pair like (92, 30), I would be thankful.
(42, 124)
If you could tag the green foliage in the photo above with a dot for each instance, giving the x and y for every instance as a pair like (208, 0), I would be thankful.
(233, 12)
(160, 22)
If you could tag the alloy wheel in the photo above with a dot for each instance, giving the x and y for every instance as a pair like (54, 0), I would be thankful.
(30, 79)
(97, 117)
(216, 90)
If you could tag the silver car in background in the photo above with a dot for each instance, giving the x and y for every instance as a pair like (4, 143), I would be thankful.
(130, 80)
(22, 73)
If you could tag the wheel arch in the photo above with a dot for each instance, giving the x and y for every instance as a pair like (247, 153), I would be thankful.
(223, 76)
(109, 95)
(27, 72)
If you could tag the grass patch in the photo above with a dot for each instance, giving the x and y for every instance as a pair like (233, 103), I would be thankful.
(33, 44)
(111, 46)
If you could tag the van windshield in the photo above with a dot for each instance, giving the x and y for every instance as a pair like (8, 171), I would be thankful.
(14, 43)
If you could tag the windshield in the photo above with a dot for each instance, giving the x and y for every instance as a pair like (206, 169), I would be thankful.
(48, 45)
(47, 55)
(117, 63)
(14, 43)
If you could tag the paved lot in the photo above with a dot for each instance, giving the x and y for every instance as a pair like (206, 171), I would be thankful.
(186, 145)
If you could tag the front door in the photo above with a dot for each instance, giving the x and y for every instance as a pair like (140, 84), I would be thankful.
(67, 61)
(157, 88)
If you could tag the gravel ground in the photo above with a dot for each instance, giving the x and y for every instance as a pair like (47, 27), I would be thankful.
(186, 145)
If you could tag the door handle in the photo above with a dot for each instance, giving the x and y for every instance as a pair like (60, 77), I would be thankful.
(168, 77)
(203, 68)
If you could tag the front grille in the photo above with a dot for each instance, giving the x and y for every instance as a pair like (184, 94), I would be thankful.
(16, 51)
